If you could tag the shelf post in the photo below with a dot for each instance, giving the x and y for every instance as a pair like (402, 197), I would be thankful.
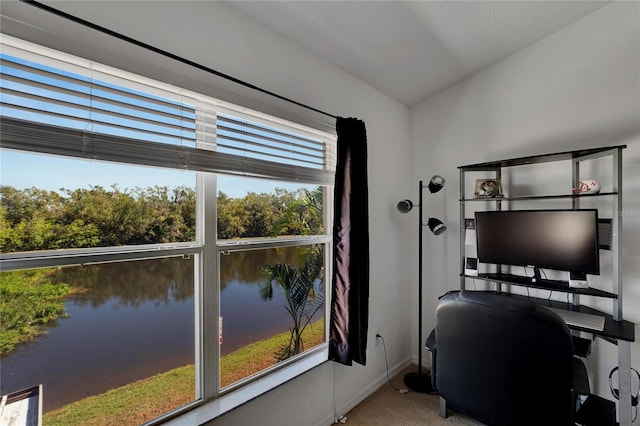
(616, 237)
(575, 204)
(463, 231)
(624, 382)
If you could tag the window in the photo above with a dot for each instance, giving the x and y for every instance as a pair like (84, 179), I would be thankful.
(271, 289)
(140, 223)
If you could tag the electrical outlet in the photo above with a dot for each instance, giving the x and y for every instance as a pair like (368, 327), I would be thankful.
(378, 338)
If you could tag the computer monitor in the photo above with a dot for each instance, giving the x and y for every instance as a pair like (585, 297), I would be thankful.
(565, 240)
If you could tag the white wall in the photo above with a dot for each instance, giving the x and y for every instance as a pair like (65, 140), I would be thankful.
(214, 35)
(577, 88)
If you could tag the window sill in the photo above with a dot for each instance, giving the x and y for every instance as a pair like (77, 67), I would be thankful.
(209, 410)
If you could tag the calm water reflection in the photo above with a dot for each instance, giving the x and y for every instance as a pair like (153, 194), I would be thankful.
(136, 319)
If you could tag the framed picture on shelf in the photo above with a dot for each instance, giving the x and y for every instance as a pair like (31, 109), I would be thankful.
(488, 188)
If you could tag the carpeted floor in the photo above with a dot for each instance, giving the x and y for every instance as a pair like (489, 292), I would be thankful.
(388, 407)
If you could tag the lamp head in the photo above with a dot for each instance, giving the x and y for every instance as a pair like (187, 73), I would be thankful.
(436, 183)
(436, 226)
(405, 206)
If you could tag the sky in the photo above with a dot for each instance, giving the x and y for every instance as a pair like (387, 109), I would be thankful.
(22, 170)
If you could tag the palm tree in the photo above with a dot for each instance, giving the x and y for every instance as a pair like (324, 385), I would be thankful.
(300, 286)
(300, 283)
(302, 216)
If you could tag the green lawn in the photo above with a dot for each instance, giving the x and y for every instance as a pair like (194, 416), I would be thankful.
(146, 399)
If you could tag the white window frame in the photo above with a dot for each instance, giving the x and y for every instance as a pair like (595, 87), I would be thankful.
(210, 401)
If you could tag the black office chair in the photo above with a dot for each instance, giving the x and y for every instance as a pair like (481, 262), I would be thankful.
(504, 361)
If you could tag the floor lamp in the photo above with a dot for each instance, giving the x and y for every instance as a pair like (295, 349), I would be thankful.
(419, 382)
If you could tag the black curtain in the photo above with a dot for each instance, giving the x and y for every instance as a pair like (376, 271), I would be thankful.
(350, 283)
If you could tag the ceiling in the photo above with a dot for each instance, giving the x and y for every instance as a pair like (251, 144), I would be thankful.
(410, 50)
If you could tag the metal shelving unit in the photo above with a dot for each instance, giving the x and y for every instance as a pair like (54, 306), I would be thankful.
(616, 329)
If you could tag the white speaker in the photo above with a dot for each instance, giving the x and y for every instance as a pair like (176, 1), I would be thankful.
(578, 279)
(471, 266)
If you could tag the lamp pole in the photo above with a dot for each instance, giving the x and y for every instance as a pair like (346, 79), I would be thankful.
(420, 226)
(417, 381)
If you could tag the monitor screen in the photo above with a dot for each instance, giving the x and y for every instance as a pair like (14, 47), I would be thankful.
(565, 240)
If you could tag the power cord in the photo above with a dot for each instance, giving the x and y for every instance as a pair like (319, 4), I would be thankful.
(386, 361)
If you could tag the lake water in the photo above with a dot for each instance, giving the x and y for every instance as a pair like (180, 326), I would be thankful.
(137, 320)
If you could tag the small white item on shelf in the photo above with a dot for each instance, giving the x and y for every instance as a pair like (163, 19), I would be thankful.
(578, 279)
(471, 266)
(587, 186)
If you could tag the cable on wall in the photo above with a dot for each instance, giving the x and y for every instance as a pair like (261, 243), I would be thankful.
(168, 54)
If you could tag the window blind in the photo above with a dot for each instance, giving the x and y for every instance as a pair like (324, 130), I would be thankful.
(54, 103)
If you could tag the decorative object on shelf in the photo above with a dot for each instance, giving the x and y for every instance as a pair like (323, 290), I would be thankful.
(419, 381)
(587, 186)
(488, 188)
(470, 232)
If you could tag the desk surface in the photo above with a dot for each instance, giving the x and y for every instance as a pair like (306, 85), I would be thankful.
(544, 284)
(619, 330)
(580, 319)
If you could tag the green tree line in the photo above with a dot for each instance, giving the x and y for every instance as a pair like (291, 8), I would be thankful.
(260, 215)
(37, 219)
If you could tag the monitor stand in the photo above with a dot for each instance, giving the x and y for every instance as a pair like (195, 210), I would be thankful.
(537, 277)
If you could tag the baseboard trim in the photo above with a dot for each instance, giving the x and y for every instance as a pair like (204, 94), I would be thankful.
(374, 386)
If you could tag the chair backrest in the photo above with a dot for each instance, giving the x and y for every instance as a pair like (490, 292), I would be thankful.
(504, 360)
